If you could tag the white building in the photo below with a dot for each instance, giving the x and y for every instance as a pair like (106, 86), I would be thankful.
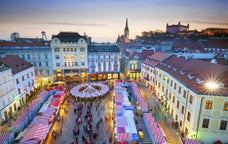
(23, 76)
(8, 101)
(37, 53)
(148, 68)
(194, 93)
(69, 52)
(103, 61)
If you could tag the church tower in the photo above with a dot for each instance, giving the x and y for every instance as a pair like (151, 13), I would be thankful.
(126, 29)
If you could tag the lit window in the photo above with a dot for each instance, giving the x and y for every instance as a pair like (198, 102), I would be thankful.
(225, 106)
(206, 123)
(208, 104)
(223, 125)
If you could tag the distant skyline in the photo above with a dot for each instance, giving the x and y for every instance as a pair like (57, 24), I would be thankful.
(104, 20)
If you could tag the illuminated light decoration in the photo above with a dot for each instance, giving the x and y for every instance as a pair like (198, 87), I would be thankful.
(212, 85)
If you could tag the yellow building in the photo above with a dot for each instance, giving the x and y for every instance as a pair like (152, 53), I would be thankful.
(194, 93)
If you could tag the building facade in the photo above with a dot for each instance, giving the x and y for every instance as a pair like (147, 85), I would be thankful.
(148, 69)
(194, 93)
(23, 77)
(103, 62)
(176, 28)
(37, 53)
(131, 64)
(69, 52)
(8, 101)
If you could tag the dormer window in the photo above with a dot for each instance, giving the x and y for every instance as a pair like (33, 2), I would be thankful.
(190, 77)
(169, 66)
(174, 69)
(182, 72)
(198, 81)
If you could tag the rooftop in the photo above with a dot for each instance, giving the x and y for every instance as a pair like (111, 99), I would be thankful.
(16, 63)
(195, 73)
(68, 36)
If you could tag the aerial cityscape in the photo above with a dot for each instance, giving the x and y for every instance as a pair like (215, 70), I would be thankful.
(114, 72)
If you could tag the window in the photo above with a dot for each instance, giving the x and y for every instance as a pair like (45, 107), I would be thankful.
(171, 83)
(28, 56)
(173, 99)
(184, 94)
(72, 49)
(223, 125)
(75, 49)
(31, 73)
(225, 106)
(191, 99)
(38, 56)
(23, 78)
(47, 72)
(34, 63)
(23, 56)
(178, 104)
(82, 49)
(189, 116)
(29, 84)
(182, 109)
(34, 56)
(179, 90)
(46, 56)
(56, 49)
(82, 63)
(175, 85)
(68, 49)
(56, 56)
(39, 64)
(27, 75)
(46, 63)
(17, 81)
(65, 63)
(170, 95)
(57, 64)
(162, 88)
(208, 104)
(158, 85)
(205, 123)
(64, 49)
(82, 56)
(19, 91)
(76, 63)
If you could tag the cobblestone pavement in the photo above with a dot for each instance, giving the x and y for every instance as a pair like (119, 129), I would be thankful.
(105, 130)
(161, 116)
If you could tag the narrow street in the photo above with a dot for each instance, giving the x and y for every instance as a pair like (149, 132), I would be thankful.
(161, 116)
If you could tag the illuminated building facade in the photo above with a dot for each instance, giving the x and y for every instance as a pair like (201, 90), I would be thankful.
(37, 53)
(22, 75)
(176, 28)
(8, 103)
(69, 52)
(103, 61)
(148, 69)
(200, 107)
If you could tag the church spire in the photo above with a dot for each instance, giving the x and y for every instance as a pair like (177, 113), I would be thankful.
(126, 29)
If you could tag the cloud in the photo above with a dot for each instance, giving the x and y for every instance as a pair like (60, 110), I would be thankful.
(211, 22)
(70, 24)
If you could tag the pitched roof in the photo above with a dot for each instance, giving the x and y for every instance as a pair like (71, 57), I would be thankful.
(195, 73)
(16, 63)
(217, 43)
(155, 58)
(68, 36)
(145, 53)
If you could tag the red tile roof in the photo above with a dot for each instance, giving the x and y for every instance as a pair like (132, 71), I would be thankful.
(217, 43)
(155, 59)
(7, 43)
(146, 53)
(181, 68)
(16, 63)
